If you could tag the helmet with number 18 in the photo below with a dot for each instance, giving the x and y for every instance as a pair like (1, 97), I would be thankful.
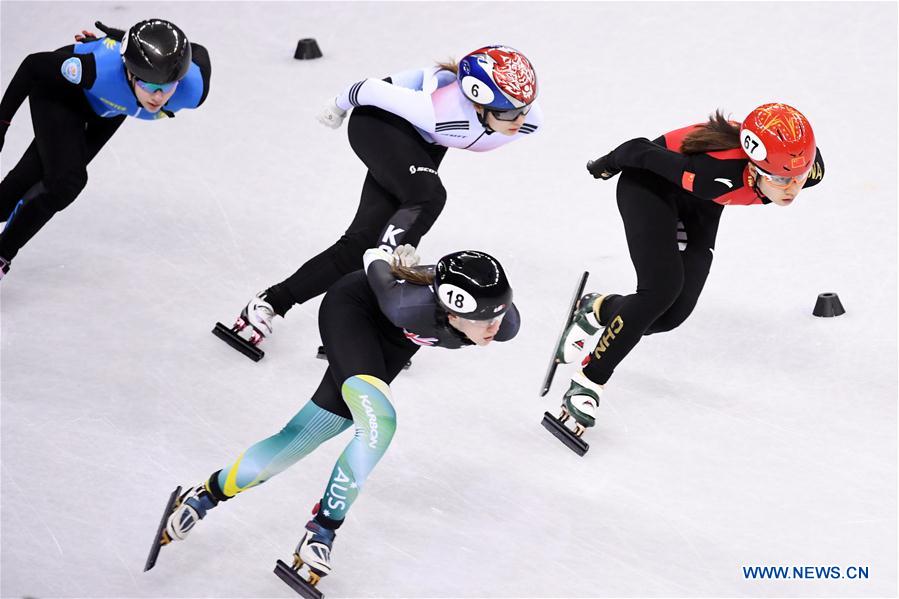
(498, 78)
(472, 285)
(778, 140)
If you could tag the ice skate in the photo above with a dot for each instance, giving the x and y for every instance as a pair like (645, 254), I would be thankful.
(311, 561)
(579, 404)
(181, 513)
(584, 325)
(569, 319)
(256, 316)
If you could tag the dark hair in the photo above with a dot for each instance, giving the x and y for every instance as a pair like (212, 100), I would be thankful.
(420, 275)
(449, 65)
(717, 134)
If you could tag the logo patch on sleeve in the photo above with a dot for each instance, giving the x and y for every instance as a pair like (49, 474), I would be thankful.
(71, 70)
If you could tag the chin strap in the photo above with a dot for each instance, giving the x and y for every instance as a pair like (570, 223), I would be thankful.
(482, 118)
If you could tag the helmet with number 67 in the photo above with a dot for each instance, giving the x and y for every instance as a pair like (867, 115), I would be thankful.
(498, 78)
(778, 140)
(472, 285)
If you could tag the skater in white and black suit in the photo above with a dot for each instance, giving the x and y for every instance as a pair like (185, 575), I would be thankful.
(372, 321)
(400, 128)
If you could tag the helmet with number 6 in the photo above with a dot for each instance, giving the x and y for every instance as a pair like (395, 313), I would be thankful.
(472, 285)
(779, 140)
(156, 51)
(498, 78)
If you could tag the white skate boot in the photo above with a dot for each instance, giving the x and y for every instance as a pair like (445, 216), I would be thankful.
(314, 550)
(581, 402)
(258, 313)
(190, 509)
(576, 339)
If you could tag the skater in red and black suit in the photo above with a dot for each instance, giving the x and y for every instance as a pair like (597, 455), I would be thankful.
(672, 190)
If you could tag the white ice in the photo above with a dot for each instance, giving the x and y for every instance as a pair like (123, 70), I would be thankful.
(755, 434)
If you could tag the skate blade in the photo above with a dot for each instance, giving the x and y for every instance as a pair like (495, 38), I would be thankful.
(237, 342)
(554, 361)
(293, 579)
(564, 434)
(157, 540)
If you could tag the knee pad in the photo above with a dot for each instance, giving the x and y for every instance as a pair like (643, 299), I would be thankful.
(368, 398)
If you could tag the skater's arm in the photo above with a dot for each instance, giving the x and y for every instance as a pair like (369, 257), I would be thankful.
(642, 154)
(200, 57)
(48, 70)
(510, 325)
(400, 301)
(412, 105)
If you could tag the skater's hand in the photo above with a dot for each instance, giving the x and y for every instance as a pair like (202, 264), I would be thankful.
(602, 168)
(111, 32)
(374, 254)
(406, 256)
(4, 125)
(332, 115)
(85, 36)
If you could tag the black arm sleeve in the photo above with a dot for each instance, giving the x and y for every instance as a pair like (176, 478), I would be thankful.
(200, 57)
(817, 173)
(644, 154)
(386, 288)
(510, 325)
(43, 69)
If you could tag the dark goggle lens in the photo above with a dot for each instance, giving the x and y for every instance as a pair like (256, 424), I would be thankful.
(510, 115)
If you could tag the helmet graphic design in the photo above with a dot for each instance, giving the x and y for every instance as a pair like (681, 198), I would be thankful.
(778, 139)
(498, 78)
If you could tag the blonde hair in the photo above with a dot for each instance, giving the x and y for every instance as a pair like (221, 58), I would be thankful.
(419, 275)
(449, 65)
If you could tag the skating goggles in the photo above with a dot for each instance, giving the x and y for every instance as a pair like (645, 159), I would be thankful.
(156, 87)
(510, 115)
(485, 324)
(783, 182)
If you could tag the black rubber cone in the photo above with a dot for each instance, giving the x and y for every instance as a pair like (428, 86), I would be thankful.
(307, 48)
(828, 305)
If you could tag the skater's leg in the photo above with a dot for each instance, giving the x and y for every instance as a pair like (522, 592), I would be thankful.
(701, 220)
(365, 354)
(650, 222)
(26, 174)
(368, 399)
(376, 205)
(397, 206)
(59, 130)
(308, 429)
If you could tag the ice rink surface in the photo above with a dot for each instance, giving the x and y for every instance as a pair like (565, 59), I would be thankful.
(755, 434)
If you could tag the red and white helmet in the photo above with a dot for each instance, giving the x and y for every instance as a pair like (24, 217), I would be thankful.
(779, 140)
(498, 78)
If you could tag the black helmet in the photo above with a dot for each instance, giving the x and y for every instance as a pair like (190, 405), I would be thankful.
(156, 51)
(473, 285)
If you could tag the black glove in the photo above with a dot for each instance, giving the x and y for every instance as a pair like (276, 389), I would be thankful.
(602, 168)
(111, 32)
(4, 125)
